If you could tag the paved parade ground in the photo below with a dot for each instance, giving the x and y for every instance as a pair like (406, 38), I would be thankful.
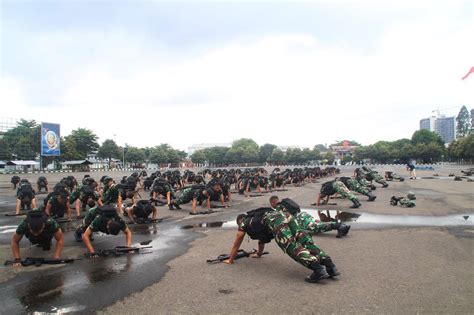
(394, 260)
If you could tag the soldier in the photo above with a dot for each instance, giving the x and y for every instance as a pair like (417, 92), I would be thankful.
(372, 175)
(42, 182)
(335, 186)
(25, 196)
(305, 220)
(354, 185)
(111, 194)
(57, 205)
(101, 219)
(389, 176)
(141, 210)
(265, 224)
(81, 195)
(160, 188)
(15, 181)
(359, 176)
(40, 230)
(193, 194)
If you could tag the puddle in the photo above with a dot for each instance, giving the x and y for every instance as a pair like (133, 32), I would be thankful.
(363, 218)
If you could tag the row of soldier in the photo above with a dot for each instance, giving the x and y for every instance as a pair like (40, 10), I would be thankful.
(105, 199)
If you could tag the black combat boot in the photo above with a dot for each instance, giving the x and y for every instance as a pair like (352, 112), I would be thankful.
(170, 206)
(342, 230)
(356, 204)
(330, 266)
(176, 204)
(371, 196)
(373, 187)
(385, 185)
(78, 235)
(319, 273)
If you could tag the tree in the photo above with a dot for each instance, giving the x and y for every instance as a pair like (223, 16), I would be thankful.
(198, 157)
(328, 157)
(463, 122)
(86, 141)
(68, 150)
(277, 157)
(22, 142)
(216, 155)
(426, 136)
(463, 148)
(108, 150)
(265, 151)
(243, 151)
(135, 155)
(320, 148)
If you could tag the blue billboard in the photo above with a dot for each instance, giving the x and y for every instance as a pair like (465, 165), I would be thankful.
(50, 139)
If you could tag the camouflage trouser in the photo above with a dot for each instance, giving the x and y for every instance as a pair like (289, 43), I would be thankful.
(396, 176)
(377, 178)
(344, 191)
(407, 203)
(185, 196)
(308, 223)
(355, 186)
(292, 240)
(364, 182)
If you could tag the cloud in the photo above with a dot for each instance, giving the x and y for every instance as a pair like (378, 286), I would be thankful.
(285, 88)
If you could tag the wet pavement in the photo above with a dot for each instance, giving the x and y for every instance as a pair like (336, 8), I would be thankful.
(85, 286)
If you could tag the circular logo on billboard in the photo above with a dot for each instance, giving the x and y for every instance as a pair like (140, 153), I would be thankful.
(51, 140)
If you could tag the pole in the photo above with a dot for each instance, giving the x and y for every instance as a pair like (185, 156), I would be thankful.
(123, 155)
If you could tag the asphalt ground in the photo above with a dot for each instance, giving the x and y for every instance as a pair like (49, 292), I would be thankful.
(394, 260)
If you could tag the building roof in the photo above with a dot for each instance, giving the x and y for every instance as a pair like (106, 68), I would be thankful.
(78, 162)
(22, 163)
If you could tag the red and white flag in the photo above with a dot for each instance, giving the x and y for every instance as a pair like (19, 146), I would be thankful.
(467, 74)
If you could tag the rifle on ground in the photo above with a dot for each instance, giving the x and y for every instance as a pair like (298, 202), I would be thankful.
(37, 261)
(120, 250)
(240, 254)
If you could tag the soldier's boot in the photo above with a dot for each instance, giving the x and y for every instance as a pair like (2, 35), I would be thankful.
(356, 204)
(176, 204)
(330, 267)
(384, 185)
(373, 187)
(170, 206)
(319, 273)
(342, 230)
(371, 196)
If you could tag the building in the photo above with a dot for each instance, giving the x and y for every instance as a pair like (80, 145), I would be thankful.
(428, 123)
(285, 148)
(442, 125)
(202, 146)
(446, 128)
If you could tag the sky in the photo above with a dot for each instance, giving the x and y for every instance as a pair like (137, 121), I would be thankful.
(189, 72)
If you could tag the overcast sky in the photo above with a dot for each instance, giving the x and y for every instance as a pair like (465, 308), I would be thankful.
(154, 72)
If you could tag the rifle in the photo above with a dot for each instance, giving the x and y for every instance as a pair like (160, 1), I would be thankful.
(120, 250)
(38, 261)
(240, 254)
(14, 214)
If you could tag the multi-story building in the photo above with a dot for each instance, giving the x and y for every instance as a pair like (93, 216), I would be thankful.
(442, 125)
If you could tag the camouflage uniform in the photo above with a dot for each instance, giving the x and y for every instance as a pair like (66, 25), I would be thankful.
(361, 179)
(97, 222)
(110, 195)
(343, 190)
(354, 185)
(43, 239)
(289, 237)
(375, 176)
(308, 223)
(407, 203)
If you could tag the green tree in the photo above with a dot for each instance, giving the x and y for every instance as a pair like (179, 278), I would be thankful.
(22, 142)
(108, 150)
(277, 157)
(135, 155)
(425, 136)
(216, 155)
(294, 156)
(198, 157)
(463, 122)
(243, 151)
(265, 151)
(328, 157)
(320, 148)
(85, 140)
(462, 148)
(68, 150)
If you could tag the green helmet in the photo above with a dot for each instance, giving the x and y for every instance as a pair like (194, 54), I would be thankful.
(411, 196)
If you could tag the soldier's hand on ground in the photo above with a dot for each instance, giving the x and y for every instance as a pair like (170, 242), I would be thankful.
(227, 261)
(17, 264)
(255, 255)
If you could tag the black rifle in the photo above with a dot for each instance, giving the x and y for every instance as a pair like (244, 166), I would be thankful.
(37, 261)
(120, 250)
(240, 254)
(14, 214)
